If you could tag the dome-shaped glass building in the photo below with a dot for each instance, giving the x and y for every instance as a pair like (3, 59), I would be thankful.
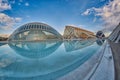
(34, 32)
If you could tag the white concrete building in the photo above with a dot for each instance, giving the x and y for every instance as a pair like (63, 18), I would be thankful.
(115, 35)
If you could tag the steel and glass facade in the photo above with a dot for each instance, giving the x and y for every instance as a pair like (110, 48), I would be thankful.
(34, 31)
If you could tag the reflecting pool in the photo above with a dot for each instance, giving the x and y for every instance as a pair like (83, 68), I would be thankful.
(46, 60)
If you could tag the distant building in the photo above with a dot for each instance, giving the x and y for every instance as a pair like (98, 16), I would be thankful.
(115, 35)
(100, 35)
(72, 32)
(34, 32)
(3, 39)
(4, 35)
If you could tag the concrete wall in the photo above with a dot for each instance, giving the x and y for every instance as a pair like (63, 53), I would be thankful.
(72, 32)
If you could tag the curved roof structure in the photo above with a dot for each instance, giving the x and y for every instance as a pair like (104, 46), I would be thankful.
(41, 29)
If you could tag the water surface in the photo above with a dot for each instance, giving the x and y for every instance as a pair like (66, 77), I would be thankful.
(46, 60)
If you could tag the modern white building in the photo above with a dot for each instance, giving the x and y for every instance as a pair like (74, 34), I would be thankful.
(34, 32)
(115, 35)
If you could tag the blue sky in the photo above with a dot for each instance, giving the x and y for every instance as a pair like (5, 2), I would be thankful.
(56, 13)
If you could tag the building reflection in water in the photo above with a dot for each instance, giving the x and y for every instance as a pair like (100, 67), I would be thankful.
(1, 44)
(77, 44)
(47, 68)
(35, 49)
(100, 41)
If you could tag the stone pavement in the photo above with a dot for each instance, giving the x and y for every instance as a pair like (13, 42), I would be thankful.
(105, 70)
(99, 67)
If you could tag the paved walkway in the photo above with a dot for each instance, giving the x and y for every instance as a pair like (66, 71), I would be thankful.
(116, 55)
(99, 67)
(105, 70)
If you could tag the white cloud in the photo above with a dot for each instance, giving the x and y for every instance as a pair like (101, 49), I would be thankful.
(17, 19)
(7, 22)
(110, 14)
(26, 4)
(4, 5)
(88, 11)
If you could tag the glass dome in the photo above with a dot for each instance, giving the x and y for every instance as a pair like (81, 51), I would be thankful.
(34, 32)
